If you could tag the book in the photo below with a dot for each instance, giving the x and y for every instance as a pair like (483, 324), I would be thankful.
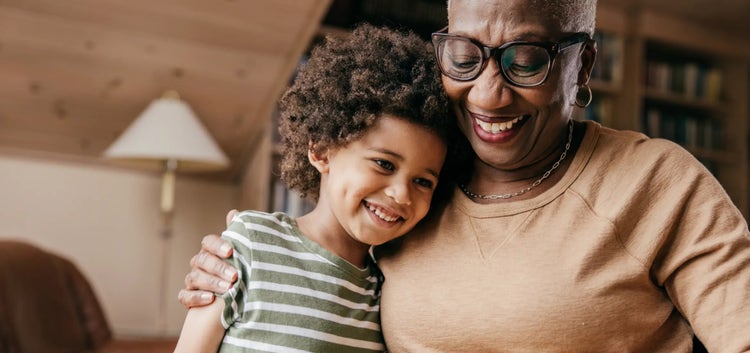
(610, 56)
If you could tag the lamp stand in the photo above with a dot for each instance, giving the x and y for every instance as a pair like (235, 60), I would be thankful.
(167, 211)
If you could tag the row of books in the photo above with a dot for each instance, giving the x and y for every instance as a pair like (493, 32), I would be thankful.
(609, 65)
(600, 110)
(289, 201)
(690, 79)
(688, 130)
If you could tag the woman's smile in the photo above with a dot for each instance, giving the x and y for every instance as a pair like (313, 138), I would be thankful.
(497, 129)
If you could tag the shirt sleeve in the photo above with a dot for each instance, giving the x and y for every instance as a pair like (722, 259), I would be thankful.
(239, 238)
(703, 260)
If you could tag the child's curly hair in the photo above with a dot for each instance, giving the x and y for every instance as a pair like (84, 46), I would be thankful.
(347, 84)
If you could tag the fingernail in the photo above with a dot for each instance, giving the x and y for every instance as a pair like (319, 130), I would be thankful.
(225, 248)
(229, 272)
(207, 296)
(224, 285)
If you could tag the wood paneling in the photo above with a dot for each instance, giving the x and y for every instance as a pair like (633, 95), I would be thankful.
(74, 74)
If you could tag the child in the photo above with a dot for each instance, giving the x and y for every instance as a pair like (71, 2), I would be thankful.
(354, 127)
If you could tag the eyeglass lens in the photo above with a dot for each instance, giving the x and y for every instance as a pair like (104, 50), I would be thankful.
(522, 64)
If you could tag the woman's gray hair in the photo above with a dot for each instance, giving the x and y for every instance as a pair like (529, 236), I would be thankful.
(569, 16)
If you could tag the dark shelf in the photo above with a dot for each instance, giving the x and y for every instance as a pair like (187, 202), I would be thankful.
(421, 16)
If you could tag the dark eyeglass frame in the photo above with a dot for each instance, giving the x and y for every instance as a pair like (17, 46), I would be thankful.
(552, 48)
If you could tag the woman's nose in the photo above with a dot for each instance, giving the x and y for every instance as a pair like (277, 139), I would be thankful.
(490, 91)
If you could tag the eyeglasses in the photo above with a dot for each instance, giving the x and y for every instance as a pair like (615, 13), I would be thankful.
(524, 64)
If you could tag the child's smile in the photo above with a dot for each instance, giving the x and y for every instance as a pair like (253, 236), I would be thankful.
(376, 188)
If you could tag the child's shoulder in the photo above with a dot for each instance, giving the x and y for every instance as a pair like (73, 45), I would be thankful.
(275, 220)
(248, 227)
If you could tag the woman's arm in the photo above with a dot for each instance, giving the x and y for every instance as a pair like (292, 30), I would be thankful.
(202, 330)
(210, 273)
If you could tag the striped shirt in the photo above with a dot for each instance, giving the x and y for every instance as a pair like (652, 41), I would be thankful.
(292, 295)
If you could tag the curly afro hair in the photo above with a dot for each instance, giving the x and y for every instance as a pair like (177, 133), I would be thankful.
(346, 85)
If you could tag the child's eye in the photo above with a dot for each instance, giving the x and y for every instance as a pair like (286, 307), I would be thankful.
(424, 182)
(385, 164)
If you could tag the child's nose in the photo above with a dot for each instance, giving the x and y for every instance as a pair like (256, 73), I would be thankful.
(399, 193)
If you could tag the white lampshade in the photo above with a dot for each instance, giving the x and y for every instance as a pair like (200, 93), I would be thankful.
(168, 130)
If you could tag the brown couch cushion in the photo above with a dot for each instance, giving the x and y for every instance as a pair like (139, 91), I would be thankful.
(46, 303)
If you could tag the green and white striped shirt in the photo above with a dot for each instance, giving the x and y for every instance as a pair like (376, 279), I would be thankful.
(292, 295)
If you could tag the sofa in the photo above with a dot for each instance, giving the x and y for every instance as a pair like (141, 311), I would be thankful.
(48, 306)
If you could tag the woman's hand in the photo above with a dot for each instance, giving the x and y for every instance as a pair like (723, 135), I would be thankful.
(210, 274)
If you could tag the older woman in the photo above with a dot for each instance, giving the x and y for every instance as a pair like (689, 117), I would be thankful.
(563, 236)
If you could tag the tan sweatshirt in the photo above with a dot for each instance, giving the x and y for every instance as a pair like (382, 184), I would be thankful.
(637, 243)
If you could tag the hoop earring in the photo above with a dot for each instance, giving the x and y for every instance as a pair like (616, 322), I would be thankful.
(583, 100)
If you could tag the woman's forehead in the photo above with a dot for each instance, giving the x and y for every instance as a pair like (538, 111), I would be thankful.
(496, 21)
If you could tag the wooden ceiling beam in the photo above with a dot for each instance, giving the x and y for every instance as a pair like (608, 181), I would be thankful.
(86, 44)
(229, 24)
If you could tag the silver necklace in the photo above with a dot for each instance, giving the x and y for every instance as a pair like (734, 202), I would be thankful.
(533, 185)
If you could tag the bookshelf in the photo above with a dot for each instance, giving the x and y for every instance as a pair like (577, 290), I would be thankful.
(683, 102)
(282, 199)
(606, 77)
(675, 79)
(421, 16)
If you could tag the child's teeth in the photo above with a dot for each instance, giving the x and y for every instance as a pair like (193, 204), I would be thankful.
(382, 215)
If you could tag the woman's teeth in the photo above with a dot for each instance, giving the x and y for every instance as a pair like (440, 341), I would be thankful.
(494, 128)
(382, 214)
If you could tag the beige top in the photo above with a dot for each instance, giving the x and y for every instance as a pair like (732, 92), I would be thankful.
(634, 242)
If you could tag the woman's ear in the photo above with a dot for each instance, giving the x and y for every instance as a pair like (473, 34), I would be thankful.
(588, 58)
(318, 158)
